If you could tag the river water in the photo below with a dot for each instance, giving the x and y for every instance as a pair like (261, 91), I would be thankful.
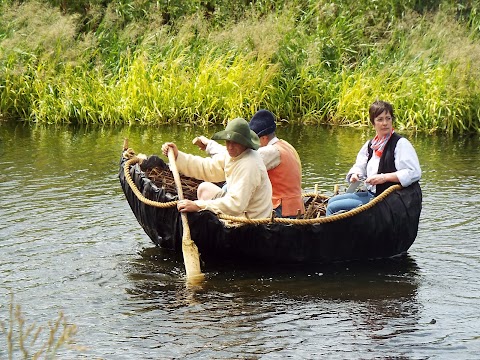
(70, 244)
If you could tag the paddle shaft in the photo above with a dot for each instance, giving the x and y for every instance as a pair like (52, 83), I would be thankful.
(191, 258)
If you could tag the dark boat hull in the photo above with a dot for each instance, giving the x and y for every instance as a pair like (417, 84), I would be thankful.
(387, 229)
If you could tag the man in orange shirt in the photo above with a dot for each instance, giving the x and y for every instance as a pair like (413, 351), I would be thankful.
(283, 165)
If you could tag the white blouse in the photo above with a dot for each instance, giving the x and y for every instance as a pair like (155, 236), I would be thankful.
(406, 162)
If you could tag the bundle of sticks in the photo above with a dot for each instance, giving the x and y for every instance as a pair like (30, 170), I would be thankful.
(315, 206)
(163, 178)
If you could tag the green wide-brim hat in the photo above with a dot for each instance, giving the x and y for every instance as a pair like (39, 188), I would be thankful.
(238, 131)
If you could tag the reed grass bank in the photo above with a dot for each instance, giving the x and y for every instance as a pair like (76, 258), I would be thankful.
(312, 62)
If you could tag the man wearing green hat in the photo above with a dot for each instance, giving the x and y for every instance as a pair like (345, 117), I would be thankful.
(249, 188)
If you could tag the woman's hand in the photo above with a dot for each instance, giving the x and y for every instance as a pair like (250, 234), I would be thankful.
(187, 206)
(377, 179)
(167, 146)
(354, 178)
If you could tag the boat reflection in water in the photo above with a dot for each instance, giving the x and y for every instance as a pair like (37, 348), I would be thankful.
(374, 299)
(158, 273)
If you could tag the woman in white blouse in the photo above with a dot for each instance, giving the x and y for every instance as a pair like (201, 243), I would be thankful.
(385, 160)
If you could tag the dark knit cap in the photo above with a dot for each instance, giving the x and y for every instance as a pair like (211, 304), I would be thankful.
(263, 123)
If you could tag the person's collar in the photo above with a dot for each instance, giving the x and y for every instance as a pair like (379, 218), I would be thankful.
(246, 151)
(273, 140)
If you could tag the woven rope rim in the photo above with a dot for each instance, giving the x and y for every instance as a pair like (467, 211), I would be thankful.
(273, 219)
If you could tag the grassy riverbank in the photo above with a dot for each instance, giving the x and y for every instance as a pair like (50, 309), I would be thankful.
(133, 61)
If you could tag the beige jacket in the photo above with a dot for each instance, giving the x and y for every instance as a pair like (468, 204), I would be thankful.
(249, 188)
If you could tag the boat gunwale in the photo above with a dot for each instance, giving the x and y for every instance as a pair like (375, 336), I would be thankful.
(271, 220)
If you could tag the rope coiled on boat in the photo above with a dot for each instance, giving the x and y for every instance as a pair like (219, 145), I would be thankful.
(138, 194)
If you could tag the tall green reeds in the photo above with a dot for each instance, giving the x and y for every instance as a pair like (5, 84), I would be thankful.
(213, 90)
(310, 62)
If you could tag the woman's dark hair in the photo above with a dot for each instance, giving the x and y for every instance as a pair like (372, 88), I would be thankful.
(379, 107)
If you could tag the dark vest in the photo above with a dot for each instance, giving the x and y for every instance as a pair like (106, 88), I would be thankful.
(387, 161)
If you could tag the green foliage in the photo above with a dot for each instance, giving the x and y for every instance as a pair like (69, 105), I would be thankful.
(139, 61)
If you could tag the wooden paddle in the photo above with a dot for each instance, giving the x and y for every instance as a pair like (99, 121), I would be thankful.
(191, 258)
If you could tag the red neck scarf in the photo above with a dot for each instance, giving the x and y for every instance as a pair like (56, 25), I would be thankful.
(378, 143)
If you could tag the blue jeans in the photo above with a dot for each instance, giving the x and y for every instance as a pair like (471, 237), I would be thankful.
(278, 213)
(347, 201)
